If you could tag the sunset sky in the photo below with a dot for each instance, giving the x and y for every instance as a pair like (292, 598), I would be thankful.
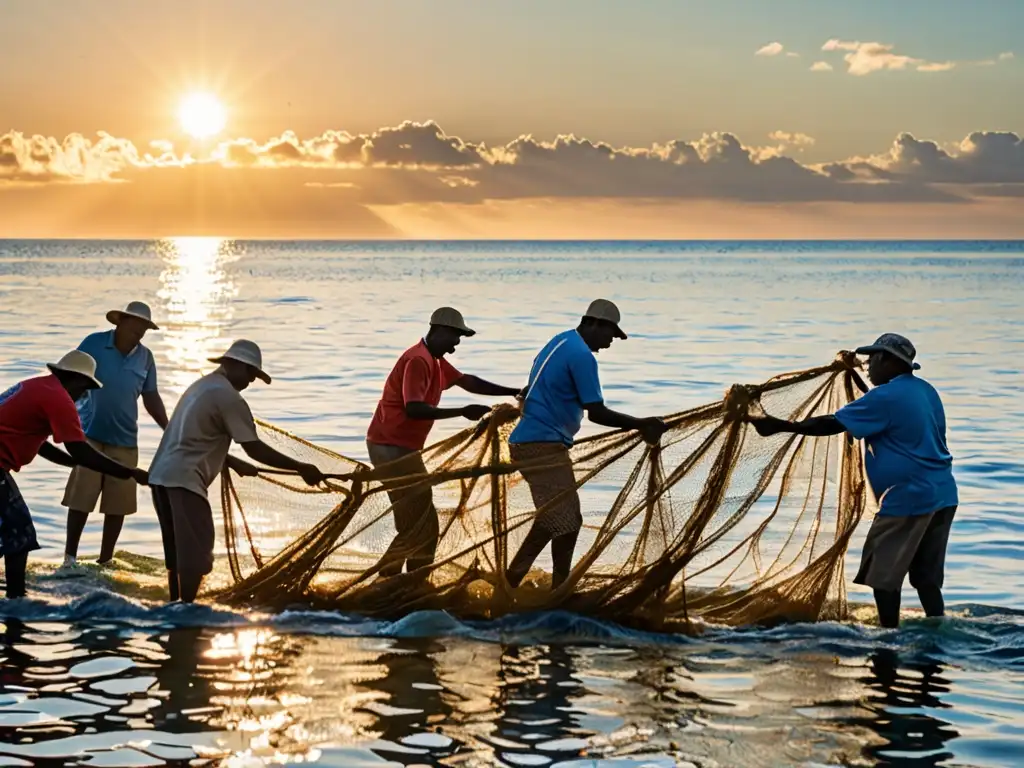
(534, 119)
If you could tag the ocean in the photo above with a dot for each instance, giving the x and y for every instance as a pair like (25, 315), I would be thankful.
(117, 680)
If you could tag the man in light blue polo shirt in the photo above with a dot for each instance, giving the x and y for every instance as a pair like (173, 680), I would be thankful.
(110, 420)
(564, 385)
(903, 426)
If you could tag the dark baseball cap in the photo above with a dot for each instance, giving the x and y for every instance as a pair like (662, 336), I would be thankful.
(894, 344)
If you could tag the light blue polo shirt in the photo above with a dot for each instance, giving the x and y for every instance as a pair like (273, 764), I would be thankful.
(562, 380)
(903, 426)
(111, 414)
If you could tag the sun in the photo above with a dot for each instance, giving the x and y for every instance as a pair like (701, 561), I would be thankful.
(201, 115)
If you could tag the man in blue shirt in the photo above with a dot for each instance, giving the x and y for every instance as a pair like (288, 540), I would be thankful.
(910, 469)
(563, 385)
(110, 420)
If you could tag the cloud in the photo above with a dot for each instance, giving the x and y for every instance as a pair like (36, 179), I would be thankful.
(420, 163)
(821, 66)
(791, 138)
(1004, 56)
(415, 179)
(716, 166)
(786, 141)
(793, 54)
(39, 159)
(936, 66)
(772, 49)
(408, 145)
(865, 58)
(984, 157)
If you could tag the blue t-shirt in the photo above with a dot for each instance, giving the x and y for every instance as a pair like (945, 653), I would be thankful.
(111, 414)
(903, 426)
(562, 380)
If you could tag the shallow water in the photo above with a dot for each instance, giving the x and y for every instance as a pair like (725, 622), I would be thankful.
(137, 685)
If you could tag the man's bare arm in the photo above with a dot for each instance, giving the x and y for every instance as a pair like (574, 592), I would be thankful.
(477, 386)
(154, 405)
(51, 452)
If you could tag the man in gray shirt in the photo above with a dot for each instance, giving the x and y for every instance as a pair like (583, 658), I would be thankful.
(210, 415)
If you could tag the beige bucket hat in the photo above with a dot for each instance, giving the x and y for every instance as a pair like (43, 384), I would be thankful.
(451, 318)
(137, 309)
(602, 309)
(248, 352)
(79, 363)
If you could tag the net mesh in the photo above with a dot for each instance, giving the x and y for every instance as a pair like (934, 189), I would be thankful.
(714, 522)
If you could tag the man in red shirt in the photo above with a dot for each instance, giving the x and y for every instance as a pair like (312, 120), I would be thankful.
(400, 426)
(30, 412)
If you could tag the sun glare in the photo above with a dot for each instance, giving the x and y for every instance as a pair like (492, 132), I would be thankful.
(201, 115)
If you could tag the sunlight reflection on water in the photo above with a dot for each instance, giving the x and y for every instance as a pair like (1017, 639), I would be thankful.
(196, 295)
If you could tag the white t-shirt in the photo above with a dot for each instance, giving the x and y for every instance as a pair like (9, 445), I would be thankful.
(208, 417)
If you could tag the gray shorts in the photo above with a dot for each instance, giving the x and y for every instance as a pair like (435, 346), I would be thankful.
(411, 504)
(186, 526)
(896, 546)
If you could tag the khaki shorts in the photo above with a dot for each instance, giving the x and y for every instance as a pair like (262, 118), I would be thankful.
(116, 496)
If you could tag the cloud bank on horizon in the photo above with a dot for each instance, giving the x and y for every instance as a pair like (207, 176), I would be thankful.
(418, 162)
(863, 58)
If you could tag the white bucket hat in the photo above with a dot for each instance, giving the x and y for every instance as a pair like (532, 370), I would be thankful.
(79, 363)
(136, 309)
(248, 352)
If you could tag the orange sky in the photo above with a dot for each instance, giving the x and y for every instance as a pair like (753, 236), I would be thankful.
(399, 119)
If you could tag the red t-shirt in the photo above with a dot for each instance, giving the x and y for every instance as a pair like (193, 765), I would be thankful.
(416, 378)
(30, 412)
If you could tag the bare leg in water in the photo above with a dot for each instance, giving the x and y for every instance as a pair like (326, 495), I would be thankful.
(112, 525)
(532, 546)
(931, 600)
(183, 586)
(173, 588)
(189, 584)
(888, 603)
(14, 571)
(562, 548)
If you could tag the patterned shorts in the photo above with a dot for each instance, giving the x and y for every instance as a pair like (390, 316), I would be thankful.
(551, 482)
(17, 533)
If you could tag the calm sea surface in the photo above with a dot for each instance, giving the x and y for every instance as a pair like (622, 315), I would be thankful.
(91, 677)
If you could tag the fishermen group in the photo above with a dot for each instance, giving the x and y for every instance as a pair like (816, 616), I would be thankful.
(901, 421)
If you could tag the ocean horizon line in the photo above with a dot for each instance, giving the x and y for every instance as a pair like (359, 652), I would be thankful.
(875, 242)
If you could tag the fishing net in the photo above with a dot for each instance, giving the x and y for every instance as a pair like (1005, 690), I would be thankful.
(714, 522)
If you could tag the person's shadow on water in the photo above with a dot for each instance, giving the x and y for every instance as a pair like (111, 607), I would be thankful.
(534, 706)
(418, 715)
(905, 689)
